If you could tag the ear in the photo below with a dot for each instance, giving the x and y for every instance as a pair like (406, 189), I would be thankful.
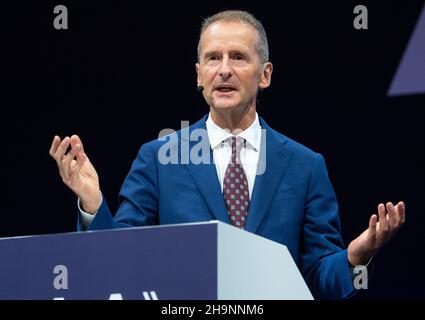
(198, 74)
(266, 75)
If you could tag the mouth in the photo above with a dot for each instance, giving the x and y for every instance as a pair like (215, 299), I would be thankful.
(224, 89)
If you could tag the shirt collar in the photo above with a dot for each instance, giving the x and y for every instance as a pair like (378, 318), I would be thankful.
(216, 134)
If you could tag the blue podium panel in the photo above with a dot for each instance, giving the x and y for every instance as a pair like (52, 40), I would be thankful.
(165, 262)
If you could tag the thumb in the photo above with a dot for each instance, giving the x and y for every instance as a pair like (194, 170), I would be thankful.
(76, 140)
(81, 158)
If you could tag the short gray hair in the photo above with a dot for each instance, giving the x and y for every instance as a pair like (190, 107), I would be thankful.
(242, 17)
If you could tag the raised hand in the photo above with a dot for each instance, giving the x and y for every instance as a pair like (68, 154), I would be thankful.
(379, 232)
(77, 172)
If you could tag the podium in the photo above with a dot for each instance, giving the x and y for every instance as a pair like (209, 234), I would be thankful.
(207, 260)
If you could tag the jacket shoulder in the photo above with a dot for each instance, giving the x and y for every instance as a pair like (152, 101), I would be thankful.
(299, 149)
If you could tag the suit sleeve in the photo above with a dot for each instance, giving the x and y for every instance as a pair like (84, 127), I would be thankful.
(138, 197)
(324, 259)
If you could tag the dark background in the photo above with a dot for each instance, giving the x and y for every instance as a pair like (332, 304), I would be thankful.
(124, 71)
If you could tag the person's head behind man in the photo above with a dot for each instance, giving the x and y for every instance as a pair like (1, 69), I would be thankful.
(233, 66)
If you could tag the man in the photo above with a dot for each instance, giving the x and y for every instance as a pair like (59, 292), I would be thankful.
(258, 179)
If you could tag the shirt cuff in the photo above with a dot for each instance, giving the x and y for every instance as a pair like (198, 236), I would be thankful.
(87, 218)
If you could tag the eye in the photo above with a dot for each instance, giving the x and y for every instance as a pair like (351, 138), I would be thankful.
(239, 57)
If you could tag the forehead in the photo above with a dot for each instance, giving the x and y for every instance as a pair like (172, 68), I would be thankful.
(229, 35)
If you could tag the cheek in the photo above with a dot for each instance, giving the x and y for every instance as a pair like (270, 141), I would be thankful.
(249, 79)
(250, 86)
(208, 75)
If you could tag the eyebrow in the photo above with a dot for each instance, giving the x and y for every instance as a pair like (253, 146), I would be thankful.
(209, 54)
(231, 52)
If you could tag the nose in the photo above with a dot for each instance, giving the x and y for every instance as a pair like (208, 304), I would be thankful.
(225, 70)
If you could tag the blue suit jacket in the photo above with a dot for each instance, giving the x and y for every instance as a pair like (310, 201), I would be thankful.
(292, 203)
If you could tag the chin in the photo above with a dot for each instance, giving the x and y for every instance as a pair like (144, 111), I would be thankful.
(225, 105)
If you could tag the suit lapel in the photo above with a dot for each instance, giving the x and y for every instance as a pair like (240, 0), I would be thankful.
(273, 163)
(206, 180)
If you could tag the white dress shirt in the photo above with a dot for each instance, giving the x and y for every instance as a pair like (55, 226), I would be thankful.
(222, 151)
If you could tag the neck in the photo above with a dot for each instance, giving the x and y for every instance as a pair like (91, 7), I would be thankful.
(233, 120)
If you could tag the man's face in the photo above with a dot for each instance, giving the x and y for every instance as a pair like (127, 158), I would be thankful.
(230, 67)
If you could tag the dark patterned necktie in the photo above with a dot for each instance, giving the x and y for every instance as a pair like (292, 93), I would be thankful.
(235, 186)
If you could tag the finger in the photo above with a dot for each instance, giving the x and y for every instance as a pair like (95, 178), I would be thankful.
(383, 223)
(401, 212)
(67, 160)
(392, 216)
(60, 152)
(76, 140)
(55, 144)
(398, 217)
(373, 221)
(59, 155)
(81, 158)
